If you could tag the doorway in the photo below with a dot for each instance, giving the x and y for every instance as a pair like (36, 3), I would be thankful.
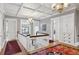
(10, 29)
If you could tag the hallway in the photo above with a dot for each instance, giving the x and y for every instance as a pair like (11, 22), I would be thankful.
(39, 29)
(15, 50)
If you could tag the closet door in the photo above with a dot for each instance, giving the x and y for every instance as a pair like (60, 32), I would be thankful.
(64, 28)
(68, 28)
(56, 28)
(70, 31)
(10, 29)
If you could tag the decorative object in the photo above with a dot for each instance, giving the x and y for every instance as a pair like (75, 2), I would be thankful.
(57, 50)
(44, 27)
(59, 6)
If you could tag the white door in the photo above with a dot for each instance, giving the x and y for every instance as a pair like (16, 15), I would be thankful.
(68, 28)
(11, 29)
(56, 28)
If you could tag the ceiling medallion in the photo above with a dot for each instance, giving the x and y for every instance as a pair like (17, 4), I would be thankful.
(59, 7)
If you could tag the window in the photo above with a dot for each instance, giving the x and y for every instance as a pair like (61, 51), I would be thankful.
(24, 27)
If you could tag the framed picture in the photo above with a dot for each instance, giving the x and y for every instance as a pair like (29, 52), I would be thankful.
(44, 27)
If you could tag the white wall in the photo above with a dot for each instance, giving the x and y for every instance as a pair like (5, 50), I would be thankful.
(48, 23)
(35, 27)
(1, 25)
(1, 30)
(77, 27)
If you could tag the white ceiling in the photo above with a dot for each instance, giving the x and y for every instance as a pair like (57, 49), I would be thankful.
(35, 10)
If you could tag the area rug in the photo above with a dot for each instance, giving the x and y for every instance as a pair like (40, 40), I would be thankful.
(12, 47)
(58, 50)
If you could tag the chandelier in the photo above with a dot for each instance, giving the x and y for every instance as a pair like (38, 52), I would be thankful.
(30, 20)
(59, 7)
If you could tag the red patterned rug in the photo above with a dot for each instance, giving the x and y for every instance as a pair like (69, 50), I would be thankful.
(12, 47)
(58, 50)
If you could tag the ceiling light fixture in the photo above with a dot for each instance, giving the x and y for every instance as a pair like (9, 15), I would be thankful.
(30, 20)
(59, 6)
